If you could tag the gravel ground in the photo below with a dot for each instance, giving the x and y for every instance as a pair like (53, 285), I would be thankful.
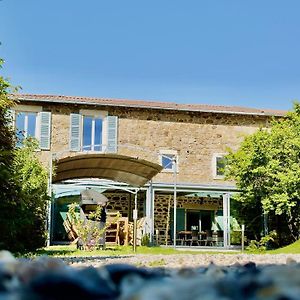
(170, 277)
(183, 260)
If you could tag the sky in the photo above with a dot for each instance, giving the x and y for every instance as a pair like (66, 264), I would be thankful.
(224, 52)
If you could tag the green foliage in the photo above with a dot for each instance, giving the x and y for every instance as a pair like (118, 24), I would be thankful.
(266, 169)
(88, 230)
(33, 180)
(262, 245)
(236, 238)
(23, 185)
(8, 185)
(145, 240)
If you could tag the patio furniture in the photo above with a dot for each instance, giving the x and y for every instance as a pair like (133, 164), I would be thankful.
(219, 238)
(184, 236)
(194, 238)
(209, 238)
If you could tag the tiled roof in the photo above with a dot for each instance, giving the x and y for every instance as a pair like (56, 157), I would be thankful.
(148, 104)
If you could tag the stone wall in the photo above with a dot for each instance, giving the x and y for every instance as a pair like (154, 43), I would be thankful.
(124, 203)
(164, 204)
(195, 136)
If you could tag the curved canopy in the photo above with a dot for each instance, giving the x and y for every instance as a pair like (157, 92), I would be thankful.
(114, 167)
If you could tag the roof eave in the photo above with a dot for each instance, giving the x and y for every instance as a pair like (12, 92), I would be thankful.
(152, 107)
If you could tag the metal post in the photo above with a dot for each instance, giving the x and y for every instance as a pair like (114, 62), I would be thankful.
(149, 212)
(243, 237)
(152, 211)
(225, 221)
(135, 221)
(50, 201)
(175, 199)
(228, 219)
(265, 223)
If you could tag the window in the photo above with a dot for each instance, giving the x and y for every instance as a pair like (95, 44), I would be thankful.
(219, 164)
(31, 121)
(93, 131)
(26, 125)
(168, 159)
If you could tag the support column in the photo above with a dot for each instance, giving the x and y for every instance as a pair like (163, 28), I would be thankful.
(149, 212)
(153, 215)
(49, 208)
(226, 219)
(135, 216)
(175, 201)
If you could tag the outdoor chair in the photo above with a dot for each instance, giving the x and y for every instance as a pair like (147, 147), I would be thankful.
(195, 238)
(209, 238)
(220, 238)
(179, 239)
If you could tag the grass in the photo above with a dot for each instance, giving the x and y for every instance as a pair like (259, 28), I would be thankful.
(157, 263)
(111, 251)
(290, 249)
(127, 250)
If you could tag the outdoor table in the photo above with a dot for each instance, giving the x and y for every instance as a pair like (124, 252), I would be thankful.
(184, 236)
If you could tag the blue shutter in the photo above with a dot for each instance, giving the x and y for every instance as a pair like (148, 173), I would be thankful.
(45, 130)
(112, 138)
(75, 132)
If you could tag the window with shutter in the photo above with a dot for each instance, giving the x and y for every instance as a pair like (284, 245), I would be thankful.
(31, 121)
(93, 130)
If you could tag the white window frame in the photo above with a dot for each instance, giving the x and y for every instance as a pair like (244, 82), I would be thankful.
(29, 109)
(95, 114)
(169, 152)
(214, 165)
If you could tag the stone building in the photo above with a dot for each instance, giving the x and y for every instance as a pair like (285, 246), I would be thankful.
(188, 141)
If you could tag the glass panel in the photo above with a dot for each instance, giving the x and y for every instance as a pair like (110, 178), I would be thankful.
(31, 124)
(167, 161)
(20, 127)
(98, 135)
(87, 133)
(221, 163)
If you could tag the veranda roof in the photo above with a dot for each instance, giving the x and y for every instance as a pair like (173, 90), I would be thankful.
(121, 168)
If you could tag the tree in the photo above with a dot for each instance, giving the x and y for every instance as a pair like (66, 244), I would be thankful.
(32, 210)
(23, 185)
(266, 169)
(8, 186)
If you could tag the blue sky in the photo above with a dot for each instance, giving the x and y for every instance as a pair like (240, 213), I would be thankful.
(227, 52)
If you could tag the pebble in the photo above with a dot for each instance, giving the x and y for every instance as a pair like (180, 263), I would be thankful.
(187, 277)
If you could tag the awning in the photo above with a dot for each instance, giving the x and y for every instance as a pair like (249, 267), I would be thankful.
(133, 171)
